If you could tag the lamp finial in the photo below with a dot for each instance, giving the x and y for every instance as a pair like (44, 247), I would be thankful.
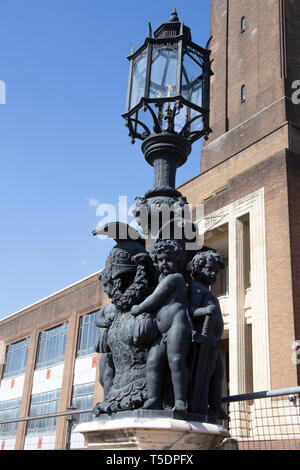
(174, 16)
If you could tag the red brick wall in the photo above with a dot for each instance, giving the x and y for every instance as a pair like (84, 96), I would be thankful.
(293, 172)
(254, 59)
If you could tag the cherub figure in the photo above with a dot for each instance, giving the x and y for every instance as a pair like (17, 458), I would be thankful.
(169, 303)
(104, 320)
(206, 314)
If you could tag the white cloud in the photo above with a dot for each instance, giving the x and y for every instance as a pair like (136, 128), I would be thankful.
(93, 201)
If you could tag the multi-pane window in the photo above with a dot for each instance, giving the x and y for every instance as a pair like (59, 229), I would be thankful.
(43, 403)
(88, 334)
(52, 345)
(82, 398)
(16, 357)
(221, 287)
(9, 409)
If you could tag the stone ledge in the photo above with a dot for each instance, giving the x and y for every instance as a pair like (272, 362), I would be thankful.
(160, 433)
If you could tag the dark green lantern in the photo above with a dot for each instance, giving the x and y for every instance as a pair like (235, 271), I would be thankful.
(169, 85)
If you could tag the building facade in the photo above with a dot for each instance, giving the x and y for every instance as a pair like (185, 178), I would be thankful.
(50, 364)
(249, 184)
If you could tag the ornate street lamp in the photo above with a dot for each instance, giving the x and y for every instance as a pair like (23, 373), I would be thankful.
(158, 292)
(167, 107)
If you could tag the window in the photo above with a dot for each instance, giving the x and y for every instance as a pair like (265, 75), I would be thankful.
(82, 397)
(16, 358)
(249, 358)
(221, 287)
(243, 93)
(246, 252)
(52, 345)
(9, 409)
(43, 403)
(243, 24)
(218, 240)
(88, 334)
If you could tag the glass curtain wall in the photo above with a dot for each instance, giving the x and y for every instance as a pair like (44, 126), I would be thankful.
(82, 398)
(9, 409)
(16, 358)
(52, 345)
(43, 403)
(88, 335)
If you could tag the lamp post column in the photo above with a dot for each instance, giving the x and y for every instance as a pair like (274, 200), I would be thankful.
(166, 152)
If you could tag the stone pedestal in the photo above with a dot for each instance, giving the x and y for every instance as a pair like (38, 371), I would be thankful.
(151, 430)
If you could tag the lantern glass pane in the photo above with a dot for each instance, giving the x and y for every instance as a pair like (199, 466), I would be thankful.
(196, 125)
(144, 117)
(138, 79)
(192, 79)
(185, 115)
(181, 118)
(163, 72)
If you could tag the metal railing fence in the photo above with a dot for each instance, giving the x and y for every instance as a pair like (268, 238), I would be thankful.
(44, 437)
(268, 420)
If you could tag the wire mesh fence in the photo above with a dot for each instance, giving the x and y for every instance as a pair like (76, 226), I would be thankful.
(268, 420)
(40, 432)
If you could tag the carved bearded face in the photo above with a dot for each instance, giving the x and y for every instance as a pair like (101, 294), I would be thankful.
(108, 287)
(105, 277)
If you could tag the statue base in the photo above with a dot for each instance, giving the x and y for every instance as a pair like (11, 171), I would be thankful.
(152, 430)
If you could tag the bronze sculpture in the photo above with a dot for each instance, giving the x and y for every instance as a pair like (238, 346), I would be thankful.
(206, 363)
(128, 338)
(161, 339)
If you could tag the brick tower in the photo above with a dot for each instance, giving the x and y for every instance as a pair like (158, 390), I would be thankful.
(250, 187)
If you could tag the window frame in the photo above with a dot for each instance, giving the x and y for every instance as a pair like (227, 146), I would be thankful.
(82, 393)
(243, 24)
(89, 333)
(44, 356)
(243, 93)
(15, 365)
(9, 430)
(44, 426)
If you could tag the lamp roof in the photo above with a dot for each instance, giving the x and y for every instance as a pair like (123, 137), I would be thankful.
(173, 28)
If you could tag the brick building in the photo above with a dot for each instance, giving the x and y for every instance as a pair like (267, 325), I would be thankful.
(249, 184)
(50, 364)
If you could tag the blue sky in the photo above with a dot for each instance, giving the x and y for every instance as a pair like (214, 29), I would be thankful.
(63, 144)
